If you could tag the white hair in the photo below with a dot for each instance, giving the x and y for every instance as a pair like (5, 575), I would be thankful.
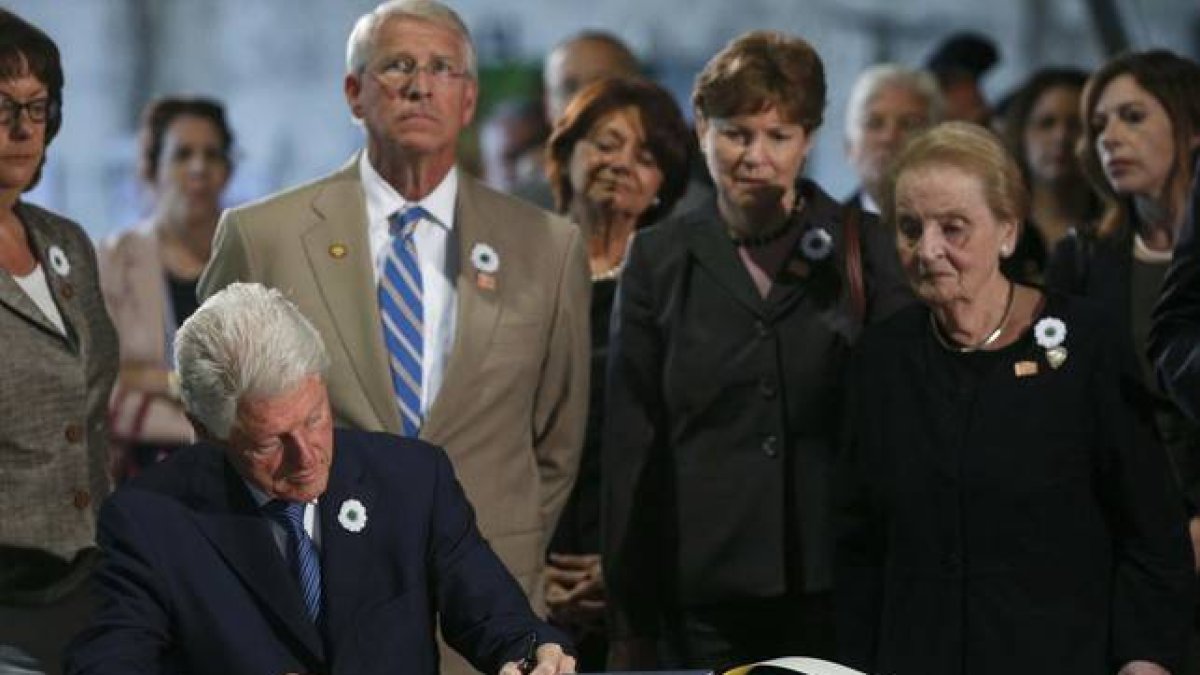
(362, 37)
(882, 76)
(246, 340)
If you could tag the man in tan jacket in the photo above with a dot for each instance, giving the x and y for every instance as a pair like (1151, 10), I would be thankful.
(450, 310)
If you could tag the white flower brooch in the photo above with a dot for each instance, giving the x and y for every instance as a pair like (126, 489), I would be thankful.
(58, 261)
(484, 258)
(816, 244)
(486, 262)
(352, 516)
(1050, 333)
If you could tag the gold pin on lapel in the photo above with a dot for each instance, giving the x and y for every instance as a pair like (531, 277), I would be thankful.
(1056, 356)
(337, 251)
(485, 281)
(1025, 368)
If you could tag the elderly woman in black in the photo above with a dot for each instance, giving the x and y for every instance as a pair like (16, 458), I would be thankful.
(617, 162)
(731, 330)
(1006, 507)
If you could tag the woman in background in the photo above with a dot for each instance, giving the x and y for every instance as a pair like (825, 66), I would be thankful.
(617, 161)
(149, 272)
(1141, 125)
(1043, 128)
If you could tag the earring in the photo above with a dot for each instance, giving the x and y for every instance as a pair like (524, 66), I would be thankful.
(1004, 250)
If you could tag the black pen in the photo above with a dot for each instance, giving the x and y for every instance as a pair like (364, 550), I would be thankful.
(529, 662)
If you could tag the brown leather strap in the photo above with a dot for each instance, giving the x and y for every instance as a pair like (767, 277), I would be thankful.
(854, 268)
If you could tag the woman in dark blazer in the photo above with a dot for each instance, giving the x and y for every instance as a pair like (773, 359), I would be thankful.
(58, 365)
(730, 334)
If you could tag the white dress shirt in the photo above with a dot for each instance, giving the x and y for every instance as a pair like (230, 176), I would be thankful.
(437, 256)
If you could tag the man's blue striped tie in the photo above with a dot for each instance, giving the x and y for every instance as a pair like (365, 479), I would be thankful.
(400, 308)
(305, 560)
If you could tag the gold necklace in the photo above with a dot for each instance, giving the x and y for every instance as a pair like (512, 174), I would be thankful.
(985, 342)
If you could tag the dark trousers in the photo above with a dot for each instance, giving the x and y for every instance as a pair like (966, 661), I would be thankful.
(44, 602)
(736, 633)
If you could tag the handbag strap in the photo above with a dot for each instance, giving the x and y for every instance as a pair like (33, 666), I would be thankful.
(854, 265)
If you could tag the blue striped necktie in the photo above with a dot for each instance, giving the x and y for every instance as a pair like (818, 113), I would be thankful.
(305, 560)
(400, 309)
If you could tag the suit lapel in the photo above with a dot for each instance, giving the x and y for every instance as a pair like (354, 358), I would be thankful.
(478, 305)
(345, 280)
(62, 286)
(244, 539)
(349, 560)
(717, 255)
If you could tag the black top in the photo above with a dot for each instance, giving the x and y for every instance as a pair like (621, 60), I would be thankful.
(183, 297)
(578, 528)
(1000, 515)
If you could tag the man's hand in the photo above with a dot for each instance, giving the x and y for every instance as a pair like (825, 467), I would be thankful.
(575, 590)
(551, 660)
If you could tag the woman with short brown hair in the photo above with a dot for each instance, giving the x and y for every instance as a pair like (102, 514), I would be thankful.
(731, 331)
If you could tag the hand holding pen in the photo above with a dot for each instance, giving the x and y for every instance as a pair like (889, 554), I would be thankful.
(544, 659)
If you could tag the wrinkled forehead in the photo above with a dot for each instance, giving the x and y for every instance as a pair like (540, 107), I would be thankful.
(417, 36)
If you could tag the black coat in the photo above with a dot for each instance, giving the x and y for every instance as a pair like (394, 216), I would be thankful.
(998, 522)
(722, 414)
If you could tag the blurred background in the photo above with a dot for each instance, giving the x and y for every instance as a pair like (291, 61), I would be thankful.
(278, 67)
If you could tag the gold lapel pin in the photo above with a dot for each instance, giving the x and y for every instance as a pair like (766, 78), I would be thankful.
(485, 281)
(337, 251)
(1025, 368)
(1056, 356)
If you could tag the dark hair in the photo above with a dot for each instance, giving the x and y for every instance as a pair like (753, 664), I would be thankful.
(1174, 82)
(760, 70)
(26, 50)
(1020, 108)
(157, 118)
(666, 137)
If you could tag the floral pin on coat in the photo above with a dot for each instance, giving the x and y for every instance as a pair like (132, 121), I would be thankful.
(1050, 334)
(352, 516)
(486, 262)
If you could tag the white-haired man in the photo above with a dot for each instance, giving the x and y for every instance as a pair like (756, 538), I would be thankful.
(279, 545)
(887, 104)
(451, 312)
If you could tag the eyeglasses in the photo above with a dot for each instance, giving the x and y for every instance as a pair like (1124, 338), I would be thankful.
(39, 110)
(398, 72)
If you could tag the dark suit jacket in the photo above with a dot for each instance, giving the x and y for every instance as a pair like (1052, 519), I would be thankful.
(1175, 336)
(192, 580)
(722, 414)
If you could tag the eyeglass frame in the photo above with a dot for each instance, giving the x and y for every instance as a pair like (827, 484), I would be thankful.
(11, 109)
(398, 64)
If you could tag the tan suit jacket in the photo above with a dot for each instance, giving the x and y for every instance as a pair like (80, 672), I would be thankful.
(54, 395)
(512, 407)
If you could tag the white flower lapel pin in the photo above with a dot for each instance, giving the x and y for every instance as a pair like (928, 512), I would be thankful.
(352, 516)
(816, 244)
(58, 261)
(487, 263)
(1050, 333)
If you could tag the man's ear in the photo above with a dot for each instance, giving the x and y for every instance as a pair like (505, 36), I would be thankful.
(352, 88)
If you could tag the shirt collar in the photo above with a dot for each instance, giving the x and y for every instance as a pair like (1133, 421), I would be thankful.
(261, 498)
(383, 200)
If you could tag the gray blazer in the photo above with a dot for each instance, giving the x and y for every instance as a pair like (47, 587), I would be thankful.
(54, 395)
